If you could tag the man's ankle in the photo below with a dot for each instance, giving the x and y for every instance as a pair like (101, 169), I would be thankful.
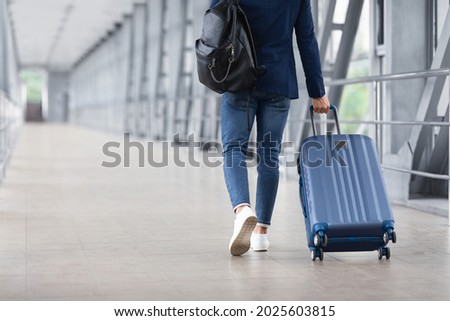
(260, 230)
(240, 208)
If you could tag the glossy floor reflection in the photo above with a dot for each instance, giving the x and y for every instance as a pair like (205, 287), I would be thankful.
(71, 229)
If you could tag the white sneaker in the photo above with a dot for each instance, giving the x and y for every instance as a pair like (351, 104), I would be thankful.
(259, 242)
(244, 224)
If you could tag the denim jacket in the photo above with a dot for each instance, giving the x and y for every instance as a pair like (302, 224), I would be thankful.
(273, 23)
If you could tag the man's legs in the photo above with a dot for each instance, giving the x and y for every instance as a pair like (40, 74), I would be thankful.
(271, 117)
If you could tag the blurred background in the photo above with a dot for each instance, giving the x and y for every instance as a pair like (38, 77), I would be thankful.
(129, 66)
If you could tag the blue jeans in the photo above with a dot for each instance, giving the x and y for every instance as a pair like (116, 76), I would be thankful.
(271, 113)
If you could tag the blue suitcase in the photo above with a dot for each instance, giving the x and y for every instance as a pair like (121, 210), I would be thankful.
(343, 194)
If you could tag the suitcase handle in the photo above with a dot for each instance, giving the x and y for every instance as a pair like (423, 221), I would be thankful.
(334, 109)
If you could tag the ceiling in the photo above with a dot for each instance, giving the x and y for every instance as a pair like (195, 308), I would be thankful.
(55, 33)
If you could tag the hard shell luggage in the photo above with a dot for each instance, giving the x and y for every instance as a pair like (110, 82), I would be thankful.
(343, 194)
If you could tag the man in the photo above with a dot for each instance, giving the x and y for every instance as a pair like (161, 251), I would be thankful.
(272, 23)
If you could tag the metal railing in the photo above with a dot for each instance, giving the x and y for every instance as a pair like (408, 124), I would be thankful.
(10, 121)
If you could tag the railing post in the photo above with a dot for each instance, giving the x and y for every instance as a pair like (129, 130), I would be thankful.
(448, 81)
(1, 133)
(3, 141)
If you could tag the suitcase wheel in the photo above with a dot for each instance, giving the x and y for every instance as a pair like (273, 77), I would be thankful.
(320, 239)
(385, 238)
(384, 251)
(317, 253)
(394, 237)
(389, 235)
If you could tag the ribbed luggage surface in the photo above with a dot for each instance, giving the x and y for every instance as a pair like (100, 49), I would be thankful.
(343, 194)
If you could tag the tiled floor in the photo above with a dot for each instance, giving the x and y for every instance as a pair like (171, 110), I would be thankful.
(71, 229)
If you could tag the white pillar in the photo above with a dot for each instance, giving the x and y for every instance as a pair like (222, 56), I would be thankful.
(3, 48)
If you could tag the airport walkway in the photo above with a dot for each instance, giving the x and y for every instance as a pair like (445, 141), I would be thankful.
(71, 229)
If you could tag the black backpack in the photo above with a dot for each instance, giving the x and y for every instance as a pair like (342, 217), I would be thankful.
(226, 56)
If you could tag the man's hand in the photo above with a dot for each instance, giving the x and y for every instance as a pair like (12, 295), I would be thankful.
(321, 105)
